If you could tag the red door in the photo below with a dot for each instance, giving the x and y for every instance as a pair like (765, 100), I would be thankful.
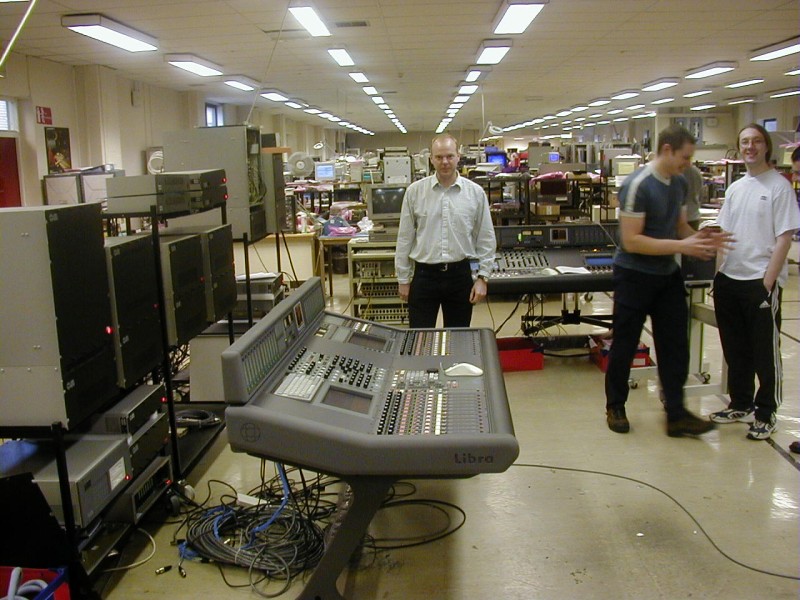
(9, 173)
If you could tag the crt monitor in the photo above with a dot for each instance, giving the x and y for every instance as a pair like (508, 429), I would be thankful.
(497, 158)
(325, 171)
(624, 165)
(384, 201)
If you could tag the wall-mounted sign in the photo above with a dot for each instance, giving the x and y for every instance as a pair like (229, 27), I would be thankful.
(44, 115)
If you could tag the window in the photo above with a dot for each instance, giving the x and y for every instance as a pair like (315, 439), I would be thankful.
(214, 117)
(8, 115)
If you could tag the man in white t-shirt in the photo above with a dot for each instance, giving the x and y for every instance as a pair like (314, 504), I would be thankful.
(761, 212)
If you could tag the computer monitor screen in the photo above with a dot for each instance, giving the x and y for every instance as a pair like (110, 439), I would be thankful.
(325, 171)
(624, 165)
(553, 187)
(553, 157)
(497, 159)
(384, 201)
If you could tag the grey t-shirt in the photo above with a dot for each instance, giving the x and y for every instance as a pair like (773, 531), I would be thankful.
(647, 195)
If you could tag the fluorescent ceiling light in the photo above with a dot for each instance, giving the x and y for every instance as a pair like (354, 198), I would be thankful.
(462, 99)
(702, 107)
(370, 90)
(589, 124)
(739, 84)
(193, 64)
(324, 115)
(476, 72)
(563, 113)
(359, 77)
(579, 108)
(456, 105)
(334, 118)
(660, 84)
(378, 99)
(103, 29)
(634, 107)
(595, 115)
(642, 116)
(516, 17)
(599, 102)
(615, 111)
(537, 121)
(467, 89)
(341, 57)
(309, 19)
(383, 105)
(625, 95)
(740, 101)
(579, 119)
(312, 110)
(784, 48)
(697, 93)
(606, 122)
(343, 124)
(492, 52)
(295, 103)
(784, 93)
(711, 69)
(663, 101)
(618, 119)
(274, 95)
(793, 72)
(240, 85)
(549, 117)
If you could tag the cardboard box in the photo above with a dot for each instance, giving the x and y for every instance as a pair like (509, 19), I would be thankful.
(548, 210)
(520, 354)
(599, 347)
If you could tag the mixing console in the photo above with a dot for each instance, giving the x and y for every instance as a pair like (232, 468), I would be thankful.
(346, 396)
(366, 402)
(553, 259)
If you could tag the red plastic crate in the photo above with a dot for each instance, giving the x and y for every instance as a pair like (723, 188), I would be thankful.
(599, 348)
(520, 354)
(56, 579)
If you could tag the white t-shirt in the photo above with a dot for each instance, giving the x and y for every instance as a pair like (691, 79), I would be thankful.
(757, 210)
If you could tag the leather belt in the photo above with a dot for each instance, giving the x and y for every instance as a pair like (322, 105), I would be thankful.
(442, 267)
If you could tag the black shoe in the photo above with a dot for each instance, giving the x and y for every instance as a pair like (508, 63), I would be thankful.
(688, 424)
(617, 421)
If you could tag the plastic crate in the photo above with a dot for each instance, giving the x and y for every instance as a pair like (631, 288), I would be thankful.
(56, 579)
(520, 354)
(599, 348)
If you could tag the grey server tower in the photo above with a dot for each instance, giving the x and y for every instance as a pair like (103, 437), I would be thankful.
(237, 149)
(184, 289)
(272, 167)
(219, 271)
(56, 343)
(133, 285)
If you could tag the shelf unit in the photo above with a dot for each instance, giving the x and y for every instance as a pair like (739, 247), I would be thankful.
(373, 282)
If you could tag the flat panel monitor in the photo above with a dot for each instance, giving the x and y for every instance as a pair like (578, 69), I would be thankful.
(325, 171)
(553, 157)
(384, 201)
(498, 158)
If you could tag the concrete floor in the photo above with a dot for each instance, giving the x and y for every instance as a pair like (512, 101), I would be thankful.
(583, 513)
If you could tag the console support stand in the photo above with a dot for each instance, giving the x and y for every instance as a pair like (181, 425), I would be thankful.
(368, 495)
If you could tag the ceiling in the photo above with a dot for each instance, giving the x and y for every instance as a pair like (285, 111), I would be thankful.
(415, 52)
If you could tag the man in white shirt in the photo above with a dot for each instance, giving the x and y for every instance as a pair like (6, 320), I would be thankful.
(444, 225)
(761, 212)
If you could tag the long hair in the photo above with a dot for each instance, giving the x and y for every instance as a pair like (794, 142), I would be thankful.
(764, 133)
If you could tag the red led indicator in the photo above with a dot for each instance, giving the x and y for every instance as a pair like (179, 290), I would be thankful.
(226, 196)
(109, 329)
(163, 399)
(168, 481)
(224, 180)
(128, 477)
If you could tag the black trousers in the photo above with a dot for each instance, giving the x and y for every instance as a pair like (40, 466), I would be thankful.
(432, 288)
(749, 322)
(663, 298)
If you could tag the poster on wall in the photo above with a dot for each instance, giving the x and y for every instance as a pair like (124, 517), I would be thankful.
(59, 158)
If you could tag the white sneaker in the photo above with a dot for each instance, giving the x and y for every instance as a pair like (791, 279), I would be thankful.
(732, 415)
(760, 430)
